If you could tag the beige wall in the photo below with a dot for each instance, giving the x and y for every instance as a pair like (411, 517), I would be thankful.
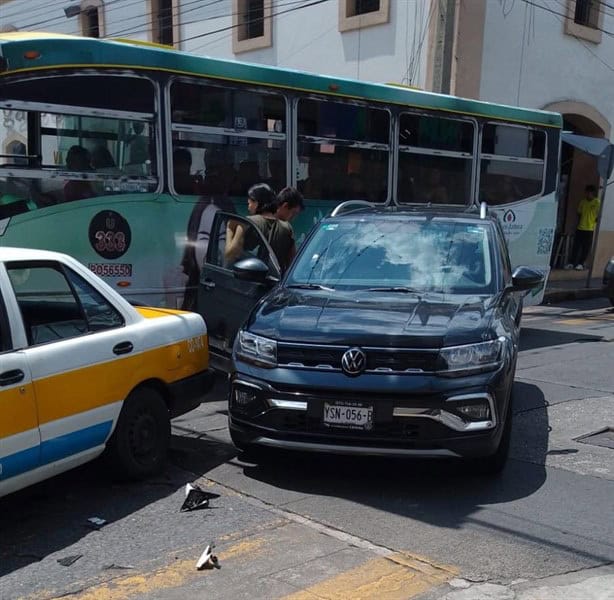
(468, 48)
(605, 250)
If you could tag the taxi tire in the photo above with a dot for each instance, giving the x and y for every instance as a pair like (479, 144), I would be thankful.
(139, 445)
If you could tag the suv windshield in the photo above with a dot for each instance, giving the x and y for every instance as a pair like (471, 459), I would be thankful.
(398, 254)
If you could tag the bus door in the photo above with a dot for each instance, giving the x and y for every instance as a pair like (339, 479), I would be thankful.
(226, 293)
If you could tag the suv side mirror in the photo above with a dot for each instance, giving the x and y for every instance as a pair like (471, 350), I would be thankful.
(525, 278)
(251, 269)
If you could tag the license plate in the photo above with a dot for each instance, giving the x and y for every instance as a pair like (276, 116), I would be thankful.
(111, 269)
(348, 417)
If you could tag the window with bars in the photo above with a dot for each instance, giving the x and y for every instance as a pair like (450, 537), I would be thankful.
(91, 15)
(251, 25)
(357, 14)
(253, 19)
(585, 19)
(586, 13)
(91, 22)
(162, 21)
(361, 7)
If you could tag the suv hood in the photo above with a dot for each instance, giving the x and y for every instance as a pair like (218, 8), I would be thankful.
(372, 318)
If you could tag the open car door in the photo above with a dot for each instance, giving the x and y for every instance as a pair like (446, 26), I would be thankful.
(240, 267)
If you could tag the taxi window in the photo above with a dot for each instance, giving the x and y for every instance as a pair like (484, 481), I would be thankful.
(99, 313)
(56, 303)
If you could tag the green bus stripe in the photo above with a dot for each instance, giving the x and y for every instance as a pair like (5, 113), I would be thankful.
(60, 53)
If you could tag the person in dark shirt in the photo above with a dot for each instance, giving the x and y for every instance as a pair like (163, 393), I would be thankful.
(263, 207)
(78, 159)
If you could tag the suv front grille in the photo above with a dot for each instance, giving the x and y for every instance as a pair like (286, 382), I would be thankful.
(387, 360)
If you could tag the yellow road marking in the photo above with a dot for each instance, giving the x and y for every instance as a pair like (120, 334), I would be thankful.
(175, 575)
(396, 577)
(575, 321)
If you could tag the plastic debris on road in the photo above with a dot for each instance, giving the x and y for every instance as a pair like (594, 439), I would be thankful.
(207, 559)
(69, 560)
(196, 498)
(96, 522)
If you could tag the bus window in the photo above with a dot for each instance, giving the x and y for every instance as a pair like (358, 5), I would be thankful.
(511, 163)
(77, 141)
(435, 159)
(343, 151)
(13, 137)
(235, 138)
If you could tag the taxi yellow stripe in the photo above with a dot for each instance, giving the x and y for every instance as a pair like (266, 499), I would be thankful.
(155, 313)
(66, 394)
(396, 577)
(15, 419)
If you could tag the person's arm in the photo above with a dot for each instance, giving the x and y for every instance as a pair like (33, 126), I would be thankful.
(291, 252)
(234, 242)
(580, 208)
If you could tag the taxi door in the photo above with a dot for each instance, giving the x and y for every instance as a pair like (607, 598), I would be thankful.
(76, 341)
(19, 431)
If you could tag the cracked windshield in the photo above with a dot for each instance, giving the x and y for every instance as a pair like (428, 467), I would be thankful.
(417, 255)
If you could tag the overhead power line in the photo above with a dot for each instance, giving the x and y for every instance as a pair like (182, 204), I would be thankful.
(563, 16)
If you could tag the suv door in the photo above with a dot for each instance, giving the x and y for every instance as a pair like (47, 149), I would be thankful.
(19, 432)
(225, 299)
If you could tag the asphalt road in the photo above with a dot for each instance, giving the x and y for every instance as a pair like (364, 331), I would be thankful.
(305, 526)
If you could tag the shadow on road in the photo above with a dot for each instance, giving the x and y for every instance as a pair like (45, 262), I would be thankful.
(532, 338)
(442, 492)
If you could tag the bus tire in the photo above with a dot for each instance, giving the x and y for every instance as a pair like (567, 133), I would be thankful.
(139, 445)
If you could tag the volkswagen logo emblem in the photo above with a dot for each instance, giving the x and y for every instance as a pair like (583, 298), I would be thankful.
(353, 361)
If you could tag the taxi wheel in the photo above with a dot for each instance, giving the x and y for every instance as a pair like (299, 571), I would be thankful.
(139, 445)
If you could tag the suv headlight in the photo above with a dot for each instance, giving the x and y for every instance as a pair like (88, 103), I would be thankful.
(482, 356)
(257, 349)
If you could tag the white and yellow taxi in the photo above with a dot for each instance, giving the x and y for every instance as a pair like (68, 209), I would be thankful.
(84, 372)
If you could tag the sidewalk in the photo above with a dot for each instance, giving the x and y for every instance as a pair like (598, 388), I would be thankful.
(571, 285)
(587, 584)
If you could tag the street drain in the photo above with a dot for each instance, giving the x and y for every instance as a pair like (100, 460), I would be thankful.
(603, 437)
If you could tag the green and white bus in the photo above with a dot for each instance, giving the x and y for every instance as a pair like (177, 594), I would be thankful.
(120, 152)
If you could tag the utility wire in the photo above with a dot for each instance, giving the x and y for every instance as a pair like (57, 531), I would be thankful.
(301, 4)
(589, 49)
(564, 16)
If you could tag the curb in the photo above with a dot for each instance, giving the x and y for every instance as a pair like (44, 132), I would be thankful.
(559, 295)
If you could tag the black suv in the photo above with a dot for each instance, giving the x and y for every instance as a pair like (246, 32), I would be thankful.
(394, 332)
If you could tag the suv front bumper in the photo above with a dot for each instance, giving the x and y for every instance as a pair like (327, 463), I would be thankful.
(411, 415)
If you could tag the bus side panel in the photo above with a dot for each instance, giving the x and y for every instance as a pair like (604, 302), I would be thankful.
(529, 229)
(133, 241)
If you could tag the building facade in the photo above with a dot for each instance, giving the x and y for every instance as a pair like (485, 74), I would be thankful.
(547, 54)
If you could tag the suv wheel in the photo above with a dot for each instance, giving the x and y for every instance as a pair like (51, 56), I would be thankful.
(493, 464)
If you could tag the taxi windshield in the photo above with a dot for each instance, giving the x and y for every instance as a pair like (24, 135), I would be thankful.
(404, 254)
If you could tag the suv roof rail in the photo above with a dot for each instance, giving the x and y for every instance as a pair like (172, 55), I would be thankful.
(351, 205)
(483, 210)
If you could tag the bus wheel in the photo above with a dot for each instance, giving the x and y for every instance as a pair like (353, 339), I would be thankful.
(139, 445)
